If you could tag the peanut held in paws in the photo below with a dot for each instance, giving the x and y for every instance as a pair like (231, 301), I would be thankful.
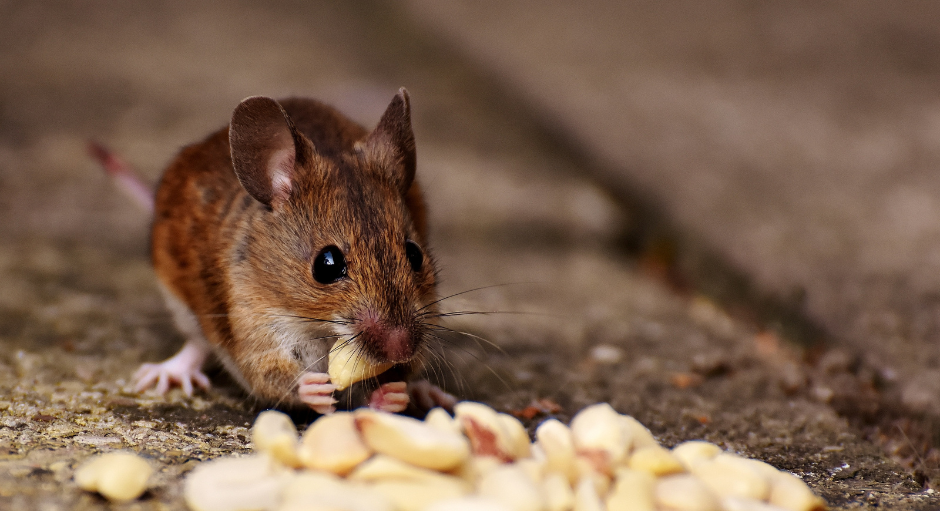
(348, 365)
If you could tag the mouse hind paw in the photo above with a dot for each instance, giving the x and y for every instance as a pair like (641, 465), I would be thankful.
(427, 396)
(183, 369)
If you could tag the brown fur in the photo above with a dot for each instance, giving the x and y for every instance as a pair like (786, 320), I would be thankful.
(242, 261)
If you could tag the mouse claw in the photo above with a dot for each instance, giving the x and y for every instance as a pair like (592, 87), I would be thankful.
(164, 375)
(316, 391)
(391, 397)
(182, 369)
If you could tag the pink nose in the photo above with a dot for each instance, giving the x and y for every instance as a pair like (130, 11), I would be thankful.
(397, 345)
(392, 343)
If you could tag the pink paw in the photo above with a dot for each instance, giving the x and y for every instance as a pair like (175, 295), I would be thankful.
(390, 397)
(316, 391)
(182, 369)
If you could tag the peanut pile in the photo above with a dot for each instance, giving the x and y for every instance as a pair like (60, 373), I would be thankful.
(483, 460)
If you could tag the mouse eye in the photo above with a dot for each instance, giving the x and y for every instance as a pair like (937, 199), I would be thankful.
(329, 266)
(414, 255)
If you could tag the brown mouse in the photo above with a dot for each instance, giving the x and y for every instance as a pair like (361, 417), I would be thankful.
(288, 230)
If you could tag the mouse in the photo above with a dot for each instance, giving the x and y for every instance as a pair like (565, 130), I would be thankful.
(284, 232)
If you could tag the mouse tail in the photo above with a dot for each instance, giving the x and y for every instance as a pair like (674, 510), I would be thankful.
(123, 175)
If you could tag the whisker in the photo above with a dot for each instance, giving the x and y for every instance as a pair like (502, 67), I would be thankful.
(447, 367)
(439, 300)
(315, 320)
(465, 351)
(358, 359)
(343, 344)
(440, 357)
(159, 318)
(462, 350)
(477, 338)
(434, 359)
(295, 343)
(429, 315)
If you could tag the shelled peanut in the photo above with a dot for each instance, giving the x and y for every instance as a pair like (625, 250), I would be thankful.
(118, 476)
(483, 460)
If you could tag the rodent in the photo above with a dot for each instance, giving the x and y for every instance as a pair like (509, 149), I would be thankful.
(285, 231)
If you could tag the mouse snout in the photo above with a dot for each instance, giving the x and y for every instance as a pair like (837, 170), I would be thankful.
(393, 343)
(397, 345)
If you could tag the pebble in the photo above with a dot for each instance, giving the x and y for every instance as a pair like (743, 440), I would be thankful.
(606, 354)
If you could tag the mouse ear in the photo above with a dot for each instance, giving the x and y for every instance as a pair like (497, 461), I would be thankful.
(266, 149)
(393, 142)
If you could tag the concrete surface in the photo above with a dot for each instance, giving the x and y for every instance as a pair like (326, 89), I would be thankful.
(797, 140)
(511, 208)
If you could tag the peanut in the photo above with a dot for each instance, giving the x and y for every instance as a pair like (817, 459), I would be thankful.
(325, 491)
(694, 451)
(728, 475)
(274, 433)
(745, 504)
(636, 434)
(510, 485)
(656, 460)
(557, 491)
(472, 503)
(555, 441)
(231, 484)
(790, 492)
(632, 491)
(333, 444)
(440, 419)
(347, 365)
(411, 440)
(598, 431)
(492, 433)
(416, 496)
(684, 492)
(385, 468)
(118, 476)
(586, 497)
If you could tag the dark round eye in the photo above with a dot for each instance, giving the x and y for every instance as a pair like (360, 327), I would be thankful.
(329, 266)
(414, 255)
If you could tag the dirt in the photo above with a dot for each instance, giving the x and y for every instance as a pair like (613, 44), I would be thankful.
(565, 313)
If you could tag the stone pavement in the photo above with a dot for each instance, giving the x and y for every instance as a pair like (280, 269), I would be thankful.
(798, 142)
(531, 191)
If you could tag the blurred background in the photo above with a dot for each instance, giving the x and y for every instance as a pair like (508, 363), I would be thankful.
(775, 161)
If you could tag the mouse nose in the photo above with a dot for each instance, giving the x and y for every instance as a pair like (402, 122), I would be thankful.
(393, 343)
(397, 345)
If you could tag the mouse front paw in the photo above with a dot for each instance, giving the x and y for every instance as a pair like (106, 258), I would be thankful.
(182, 369)
(316, 391)
(390, 397)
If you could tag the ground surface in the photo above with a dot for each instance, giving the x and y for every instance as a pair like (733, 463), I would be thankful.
(594, 306)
